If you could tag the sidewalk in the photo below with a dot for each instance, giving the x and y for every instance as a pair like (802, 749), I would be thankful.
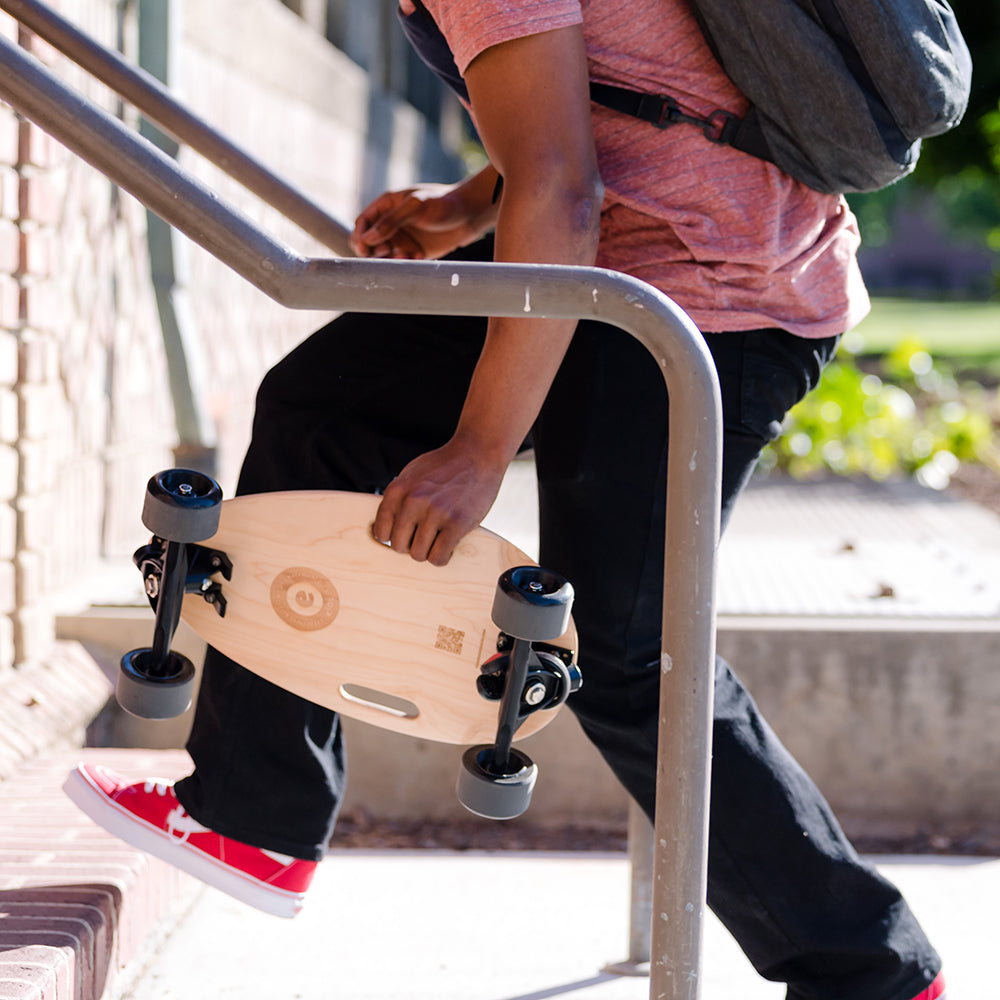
(84, 916)
(839, 548)
(436, 926)
(855, 549)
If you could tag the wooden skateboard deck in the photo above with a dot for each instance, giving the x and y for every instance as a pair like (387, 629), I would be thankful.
(317, 606)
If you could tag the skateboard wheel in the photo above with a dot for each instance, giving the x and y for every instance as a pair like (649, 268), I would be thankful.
(532, 603)
(570, 678)
(164, 695)
(495, 796)
(182, 505)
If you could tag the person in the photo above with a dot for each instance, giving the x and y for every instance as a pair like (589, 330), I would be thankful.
(431, 410)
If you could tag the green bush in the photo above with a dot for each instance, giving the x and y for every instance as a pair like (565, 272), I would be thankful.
(912, 417)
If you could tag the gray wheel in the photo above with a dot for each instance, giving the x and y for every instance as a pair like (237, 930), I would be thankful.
(570, 680)
(532, 603)
(182, 505)
(495, 796)
(152, 695)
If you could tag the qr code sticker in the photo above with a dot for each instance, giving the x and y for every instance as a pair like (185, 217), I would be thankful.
(449, 639)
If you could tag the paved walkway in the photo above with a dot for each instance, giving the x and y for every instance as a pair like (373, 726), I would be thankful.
(440, 926)
(834, 549)
(857, 549)
(78, 908)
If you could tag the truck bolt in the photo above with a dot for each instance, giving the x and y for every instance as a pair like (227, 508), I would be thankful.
(535, 694)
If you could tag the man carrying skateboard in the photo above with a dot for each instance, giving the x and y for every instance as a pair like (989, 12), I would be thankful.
(431, 410)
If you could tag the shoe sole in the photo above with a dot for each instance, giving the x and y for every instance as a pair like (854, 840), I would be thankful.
(146, 837)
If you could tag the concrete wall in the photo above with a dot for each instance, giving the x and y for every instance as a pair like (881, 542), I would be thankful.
(392, 777)
(897, 720)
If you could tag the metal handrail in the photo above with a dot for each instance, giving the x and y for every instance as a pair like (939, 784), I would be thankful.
(467, 289)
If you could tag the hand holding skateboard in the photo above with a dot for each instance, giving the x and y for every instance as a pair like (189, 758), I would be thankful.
(294, 588)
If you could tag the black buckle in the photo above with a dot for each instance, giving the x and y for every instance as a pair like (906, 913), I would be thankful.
(720, 127)
(662, 112)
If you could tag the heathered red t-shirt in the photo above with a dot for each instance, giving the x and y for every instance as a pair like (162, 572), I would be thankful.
(735, 241)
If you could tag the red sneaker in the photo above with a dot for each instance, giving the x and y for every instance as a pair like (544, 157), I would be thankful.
(936, 990)
(147, 815)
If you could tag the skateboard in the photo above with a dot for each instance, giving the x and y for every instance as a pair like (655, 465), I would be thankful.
(294, 587)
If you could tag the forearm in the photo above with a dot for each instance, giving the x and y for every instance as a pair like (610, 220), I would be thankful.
(427, 221)
(556, 222)
(478, 204)
(441, 495)
(512, 378)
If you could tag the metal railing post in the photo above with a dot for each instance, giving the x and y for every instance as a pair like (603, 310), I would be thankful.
(693, 474)
(641, 857)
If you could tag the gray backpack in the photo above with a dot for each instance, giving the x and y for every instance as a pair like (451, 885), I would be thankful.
(841, 91)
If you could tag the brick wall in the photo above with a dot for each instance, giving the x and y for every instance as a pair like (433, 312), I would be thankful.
(76, 319)
(86, 412)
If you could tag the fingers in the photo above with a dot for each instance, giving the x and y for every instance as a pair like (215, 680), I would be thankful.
(388, 527)
(435, 501)
(400, 246)
(413, 527)
(380, 230)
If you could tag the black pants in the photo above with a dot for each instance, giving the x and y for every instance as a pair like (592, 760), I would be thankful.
(352, 405)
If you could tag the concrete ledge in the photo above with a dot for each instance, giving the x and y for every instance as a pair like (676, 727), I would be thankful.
(897, 720)
(395, 777)
(391, 776)
(79, 910)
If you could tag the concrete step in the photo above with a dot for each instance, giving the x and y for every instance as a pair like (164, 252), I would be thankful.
(80, 911)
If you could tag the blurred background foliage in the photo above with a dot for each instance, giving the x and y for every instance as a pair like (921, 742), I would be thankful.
(914, 390)
(959, 171)
(899, 413)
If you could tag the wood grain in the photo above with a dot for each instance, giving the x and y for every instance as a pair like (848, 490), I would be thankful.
(317, 606)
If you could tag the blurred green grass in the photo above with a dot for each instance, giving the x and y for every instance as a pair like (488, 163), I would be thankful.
(965, 331)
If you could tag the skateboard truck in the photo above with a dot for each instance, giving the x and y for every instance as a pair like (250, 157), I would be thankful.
(531, 605)
(181, 508)
(202, 563)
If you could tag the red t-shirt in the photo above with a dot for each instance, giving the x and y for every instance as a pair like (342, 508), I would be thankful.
(735, 241)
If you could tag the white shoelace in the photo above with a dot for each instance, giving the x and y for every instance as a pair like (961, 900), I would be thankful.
(180, 825)
(179, 822)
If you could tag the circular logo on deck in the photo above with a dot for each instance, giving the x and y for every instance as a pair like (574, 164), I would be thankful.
(304, 599)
